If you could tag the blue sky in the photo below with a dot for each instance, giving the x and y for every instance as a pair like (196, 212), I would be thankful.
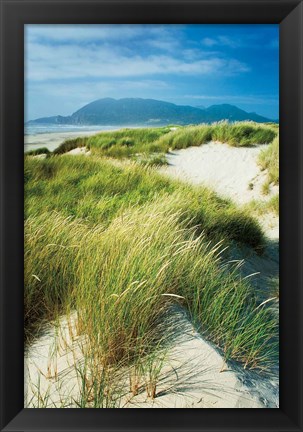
(68, 66)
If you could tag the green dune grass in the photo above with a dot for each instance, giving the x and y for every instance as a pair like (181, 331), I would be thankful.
(269, 159)
(127, 143)
(264, 207)
(120, 243)
(120, 280)
(96, 191)
(70, 144)
(39, 151)
(235, 134)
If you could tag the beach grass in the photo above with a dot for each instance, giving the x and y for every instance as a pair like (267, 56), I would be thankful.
(96, 190)
(38, 151)
(264, 207)
(152, 160)
(128, 143)
(269, 160)
(121, 243)
(122, 278)
(235, 134)
(71, 144)
(111, 239)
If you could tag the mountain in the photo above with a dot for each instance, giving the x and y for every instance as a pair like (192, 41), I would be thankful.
(135, 111)
(231, 113)
(200, 106)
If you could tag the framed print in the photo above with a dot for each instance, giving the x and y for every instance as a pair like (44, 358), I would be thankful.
(141, 151)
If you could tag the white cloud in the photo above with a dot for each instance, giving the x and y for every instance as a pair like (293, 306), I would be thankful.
(85, 33)
(222, 41)
(165, 45)
(249, 41)
(82, 33)
(75, 61)
(58, 52)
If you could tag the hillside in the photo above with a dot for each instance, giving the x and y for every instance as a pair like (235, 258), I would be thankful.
(136, 111)
(162, 220)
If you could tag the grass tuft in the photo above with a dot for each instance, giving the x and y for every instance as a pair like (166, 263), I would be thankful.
(71, 144)
(153, 160)
(39, 151)
(264, 207)
(269, 159)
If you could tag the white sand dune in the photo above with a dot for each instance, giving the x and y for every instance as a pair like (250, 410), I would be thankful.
(79, 151)
(233, 172)
(194, 374)
(50, 366)
(226, 169)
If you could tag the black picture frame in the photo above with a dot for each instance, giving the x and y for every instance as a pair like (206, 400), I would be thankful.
(16, 13)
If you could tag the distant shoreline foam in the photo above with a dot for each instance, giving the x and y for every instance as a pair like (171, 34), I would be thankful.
(51, 136)
(35, 129)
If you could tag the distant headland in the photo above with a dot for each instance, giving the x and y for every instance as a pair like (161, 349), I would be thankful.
(137, 111)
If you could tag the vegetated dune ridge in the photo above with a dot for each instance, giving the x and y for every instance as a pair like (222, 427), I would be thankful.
(233, 172)
(192, 372)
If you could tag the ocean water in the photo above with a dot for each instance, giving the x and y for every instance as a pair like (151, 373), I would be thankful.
(35, 129)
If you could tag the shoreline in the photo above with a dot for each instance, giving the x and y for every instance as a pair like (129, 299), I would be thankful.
(52, 139)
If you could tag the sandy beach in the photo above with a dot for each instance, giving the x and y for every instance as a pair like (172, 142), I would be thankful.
(51, 140)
